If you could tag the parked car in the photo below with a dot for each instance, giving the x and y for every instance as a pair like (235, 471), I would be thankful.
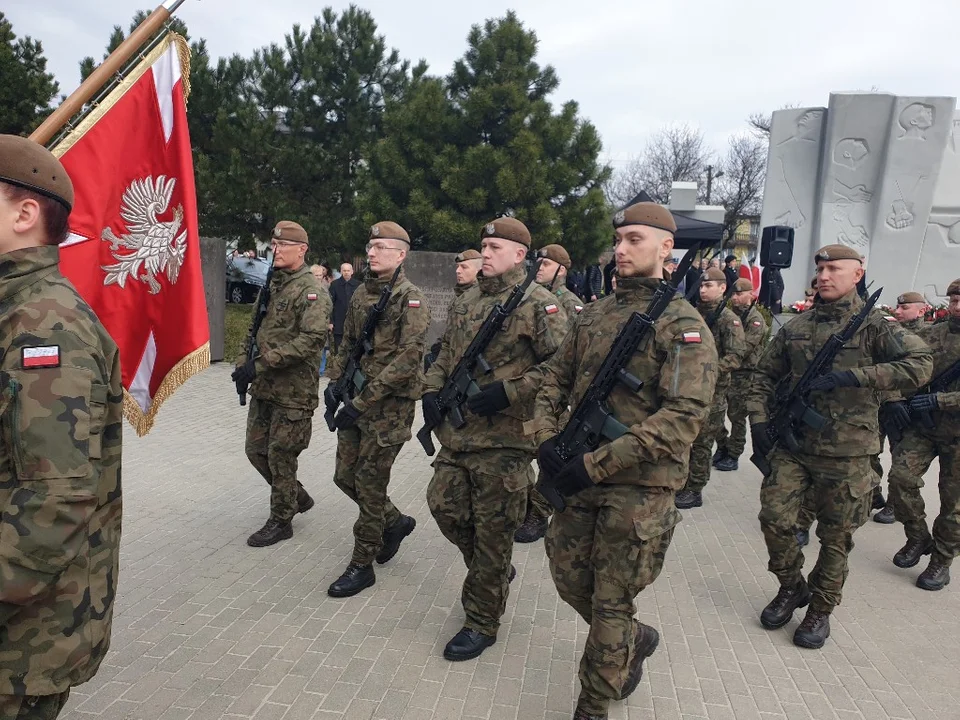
(245, 277)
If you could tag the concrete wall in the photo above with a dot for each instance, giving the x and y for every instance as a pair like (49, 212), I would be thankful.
(435, 274)
(213, 262)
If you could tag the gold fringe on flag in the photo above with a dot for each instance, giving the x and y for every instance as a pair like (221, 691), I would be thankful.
(195, 362)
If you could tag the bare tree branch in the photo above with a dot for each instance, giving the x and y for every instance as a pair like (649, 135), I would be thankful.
(740, 188)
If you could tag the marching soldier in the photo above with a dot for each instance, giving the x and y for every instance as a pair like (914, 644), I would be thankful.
(731, 347)
(915, 451)
(730, 446)
(61, 406)
(554, 265)
(374, 425)
(478, 493)
(835, 461)
(911, 307)
(283, 380)
(610, 542)
(468, 267)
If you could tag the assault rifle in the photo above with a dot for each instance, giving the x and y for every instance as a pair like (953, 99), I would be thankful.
(461, 383)
(592, 420)
(795, 409)
(259, 313)
(351, 380)
(938, 385)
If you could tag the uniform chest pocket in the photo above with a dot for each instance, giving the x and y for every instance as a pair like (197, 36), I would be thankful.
(849, 356)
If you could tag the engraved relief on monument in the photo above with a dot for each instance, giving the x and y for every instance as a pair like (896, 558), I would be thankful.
(792, 216)
(850, 152)
(901, 214)
(808, 128)
(915, 120)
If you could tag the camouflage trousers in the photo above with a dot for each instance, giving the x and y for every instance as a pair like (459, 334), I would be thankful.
(840, 490)
(604, 549)
(537, 505)
(478, 500)
(733, 442)
(32, 707)
(275, 438)
(701, 452)
(912, 457)
(365, 457)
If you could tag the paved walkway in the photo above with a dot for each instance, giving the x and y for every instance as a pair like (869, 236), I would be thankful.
(207, 628)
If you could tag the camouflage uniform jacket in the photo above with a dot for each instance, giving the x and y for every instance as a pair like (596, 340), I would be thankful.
(882, 355)
(944, 341)
(291, 340)
(754, 330)
(61, 409)
(571, 304)
(730, 341)
(918, 327)
(529, 336)
(395, 365)
(678, 367)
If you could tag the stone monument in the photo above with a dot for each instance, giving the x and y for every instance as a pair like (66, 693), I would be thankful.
(435, 274)
(877, 172)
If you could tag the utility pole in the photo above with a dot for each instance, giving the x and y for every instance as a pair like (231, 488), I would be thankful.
(710, 178)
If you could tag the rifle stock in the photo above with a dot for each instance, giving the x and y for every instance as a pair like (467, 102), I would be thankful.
(259, 313)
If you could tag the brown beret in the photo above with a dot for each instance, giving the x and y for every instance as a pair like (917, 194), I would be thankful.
(29, 165)
(557, 254)
(646, 213)
(715, 274)
(289, 230)
(470, 254)
(389, 230)
(837, 252)
(507, 228)
(954, 288)
(743, 285)
(911, 297)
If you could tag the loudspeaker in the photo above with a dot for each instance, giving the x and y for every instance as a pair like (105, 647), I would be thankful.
(776, 246)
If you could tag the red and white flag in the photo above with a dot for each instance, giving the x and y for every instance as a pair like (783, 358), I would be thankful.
(751, 273)
(134, 246)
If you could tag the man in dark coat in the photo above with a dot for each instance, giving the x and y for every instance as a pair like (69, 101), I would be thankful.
(341, 290)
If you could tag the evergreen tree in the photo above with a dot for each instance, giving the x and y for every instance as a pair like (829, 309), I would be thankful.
(26, 88)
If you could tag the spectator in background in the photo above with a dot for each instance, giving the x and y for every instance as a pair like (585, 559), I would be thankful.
(341, 290)
(771, 290)
(715, 263)
(593, 285)
(322, 274)
(730, 269)
(609, 270)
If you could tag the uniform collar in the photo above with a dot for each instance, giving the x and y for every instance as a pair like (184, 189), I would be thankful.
(21, 268)
(631, 289)
(496, 285)
(954, 325)
(374, 284)
(846, 305)
(914, 325)
(459, 290)
(282, 277)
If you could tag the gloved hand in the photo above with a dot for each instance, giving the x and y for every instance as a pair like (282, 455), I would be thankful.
(431, 410)
(330, 398)
(550, 463)
(245, 373)
(347, 417)
(834, 380)
(490, 400)
(762, 444)
(896, 417)
(924, 403)
(573, 478)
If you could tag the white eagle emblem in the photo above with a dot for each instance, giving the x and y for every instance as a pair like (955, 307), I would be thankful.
(155, 244)
(490, 228)
(619, 217)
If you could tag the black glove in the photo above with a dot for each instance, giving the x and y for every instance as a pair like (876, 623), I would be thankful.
(490, 400)
(573, 478)
(330, 398)
(896, 417)
(550, 463)
(347, 417)
(834, 380)
(924, 403)
(431, 410)
(762, 444)
(244, 374)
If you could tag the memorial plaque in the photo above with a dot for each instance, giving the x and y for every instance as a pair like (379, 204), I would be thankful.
(435, 274)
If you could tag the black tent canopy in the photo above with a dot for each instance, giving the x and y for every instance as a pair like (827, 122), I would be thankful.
(690, 231)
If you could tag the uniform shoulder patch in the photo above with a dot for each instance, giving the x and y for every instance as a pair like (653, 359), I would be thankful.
(42, 356)
(312, 296)
(551, 309)
(578, 308)
(691, 336)
(736, 323)
(413, 303)
(757, 323)
(889, 318)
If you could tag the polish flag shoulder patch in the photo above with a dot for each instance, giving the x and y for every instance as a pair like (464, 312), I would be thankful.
(311, 296)
(551, 309)
(578, 308)
(756, 323)
(413, 303)
(692, 337)
(45, 356)
(736, 323)
(889, 318)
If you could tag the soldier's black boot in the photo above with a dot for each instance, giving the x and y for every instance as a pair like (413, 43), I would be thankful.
(935, 577)
(584, 715)
(645, 645)
(271, 533)
(393, 536)
(727, 464)
(779, 611)
(813, 631)
(354, 579)
(304, 501)
(686, 499)
(885, 516)
(803, 537)
(467, 644)
(719, 455)
(878, 501)
(513, 573)
(533, 529)
(910, 554)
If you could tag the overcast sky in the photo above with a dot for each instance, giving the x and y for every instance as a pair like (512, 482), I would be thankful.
(633, 66)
